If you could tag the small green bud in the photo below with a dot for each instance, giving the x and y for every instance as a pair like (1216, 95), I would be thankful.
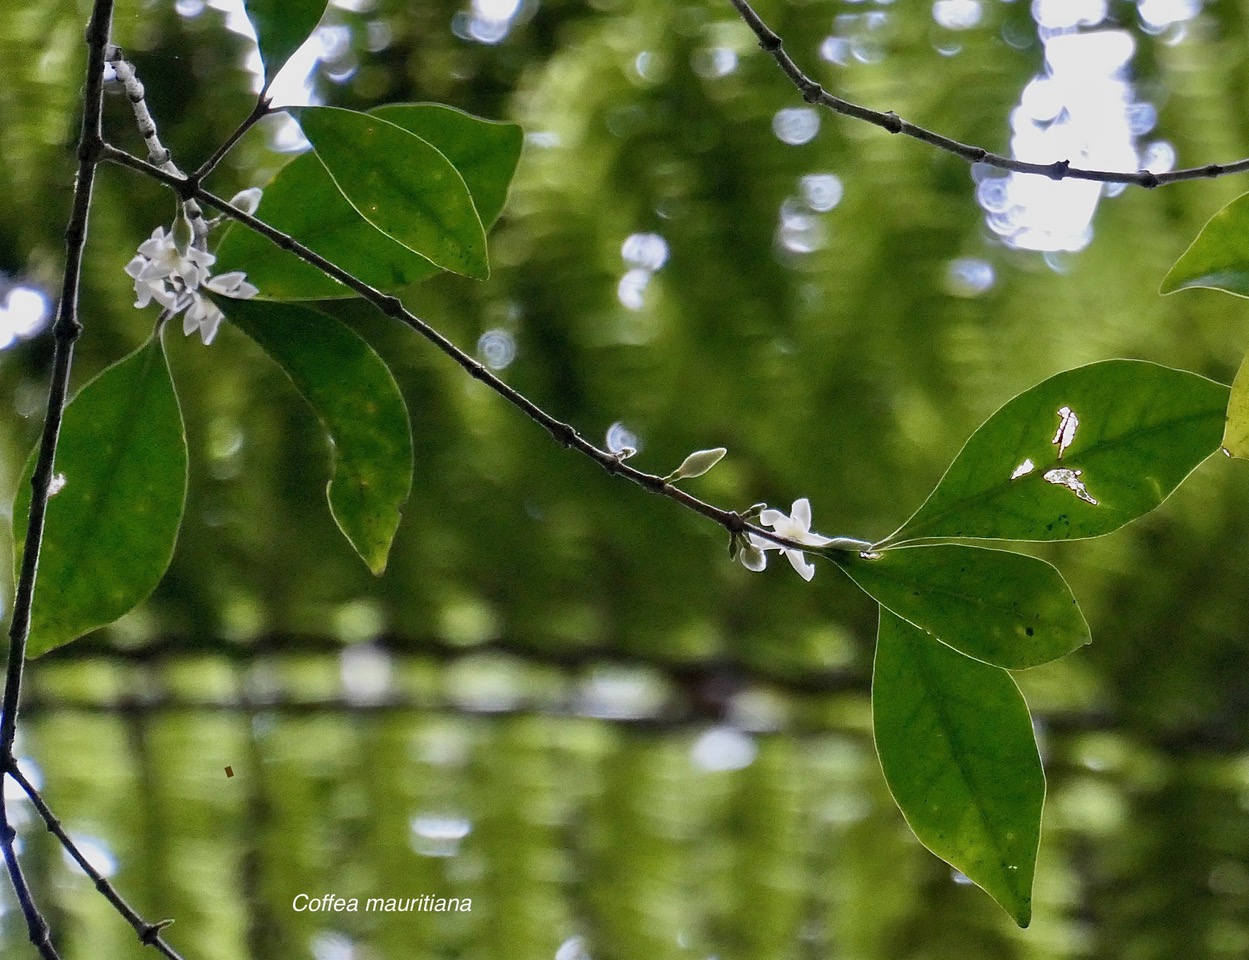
(696, 464)
(753, 558)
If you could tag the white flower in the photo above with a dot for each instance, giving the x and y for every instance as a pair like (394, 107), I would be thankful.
(173, 278)
(797, 527)
(161, 254)
(202, 315)
(195, 266)
(148, 286)
(233, 284)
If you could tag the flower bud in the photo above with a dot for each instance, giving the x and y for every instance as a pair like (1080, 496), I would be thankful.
(696, 464)
(752, 557)
(247, 200)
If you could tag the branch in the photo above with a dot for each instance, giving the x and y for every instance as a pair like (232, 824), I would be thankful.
(735, 523)
(149, 933)
(157, 152)
(813, 92)
(65, 332)
(259, 112)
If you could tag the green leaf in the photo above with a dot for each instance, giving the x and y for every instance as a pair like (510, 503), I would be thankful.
(1006, 609)
(281, 28)
(110, 530)
(1219, 257)
(485, 152)
(1236, 434)
(358, 403)
(1131, 433)
(401, 184)
(957, 749)
(303, 202)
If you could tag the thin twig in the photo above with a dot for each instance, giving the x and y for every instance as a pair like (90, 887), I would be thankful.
(36, 925)
(735, 523)
(259, 112)
(148, 933)
(813, 92)
(65, 332)
(157, 152)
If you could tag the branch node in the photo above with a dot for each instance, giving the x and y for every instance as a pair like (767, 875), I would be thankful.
(1214, 170)
(893, 123)
(189, 186)
(1058, 169)
(770, 42)
(149, 933)
(90, 147)
(1148, 179)
(812, 92)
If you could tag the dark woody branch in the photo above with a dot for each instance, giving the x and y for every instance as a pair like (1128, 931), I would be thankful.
(813, 92)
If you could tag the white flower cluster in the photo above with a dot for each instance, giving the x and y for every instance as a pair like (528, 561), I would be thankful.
(176, 278)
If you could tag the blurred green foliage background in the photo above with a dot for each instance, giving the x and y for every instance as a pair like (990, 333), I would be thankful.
(562, 700)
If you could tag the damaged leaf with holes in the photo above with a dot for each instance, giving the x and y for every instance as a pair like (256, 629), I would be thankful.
(1079, 455)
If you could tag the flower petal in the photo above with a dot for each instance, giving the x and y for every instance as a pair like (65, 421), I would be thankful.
(799, 561)
(158, 244)
(208, 329)
(763, 544)
(801, 513)
(770, 517)
(233, 284)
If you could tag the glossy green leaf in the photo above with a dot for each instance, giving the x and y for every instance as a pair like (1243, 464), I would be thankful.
(956, 746)
(281, 28)
(401, 184)
(358, 403)
(1219, 257)
(303, 202)
(485, 152)
(110, 529)
(1236, 433)
(1077, 456)
(1006, 609)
